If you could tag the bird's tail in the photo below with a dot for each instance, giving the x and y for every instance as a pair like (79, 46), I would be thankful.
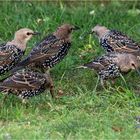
(88, 65)
(20, 65)
(1, 88)
(91, 65)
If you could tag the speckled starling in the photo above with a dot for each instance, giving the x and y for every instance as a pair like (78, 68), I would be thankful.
(26, 83)
(112, 40)
(112, 65)
(12, 51)
(51, 50)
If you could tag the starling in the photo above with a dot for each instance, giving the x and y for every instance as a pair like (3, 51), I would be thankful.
(113, 65)
(51, 50)
(12, 51)
(112, 40)
(26, 83)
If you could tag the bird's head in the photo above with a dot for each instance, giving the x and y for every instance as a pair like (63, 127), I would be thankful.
(24, 34)
(99, 31)
(65, 30)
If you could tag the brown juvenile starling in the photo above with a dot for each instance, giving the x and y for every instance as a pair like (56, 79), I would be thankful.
(26, 83)
(113, 65)
(11, 52)
(112, 40)
(51, 50)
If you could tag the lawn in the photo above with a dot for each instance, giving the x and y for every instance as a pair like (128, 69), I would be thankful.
(79, 112)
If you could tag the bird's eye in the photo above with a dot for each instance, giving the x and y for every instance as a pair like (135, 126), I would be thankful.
(28, 33)
(71, 29)
(58, 28)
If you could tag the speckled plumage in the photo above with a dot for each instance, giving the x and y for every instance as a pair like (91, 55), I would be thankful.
(26, 83)
(10, 55)
(12, 51)
(51, 50)
(113, 40)
(116, 41)
(104, 67)
(111, 65)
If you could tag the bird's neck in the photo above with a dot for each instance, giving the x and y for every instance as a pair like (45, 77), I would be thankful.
(62, 36)
(103, 33)
(18, 43)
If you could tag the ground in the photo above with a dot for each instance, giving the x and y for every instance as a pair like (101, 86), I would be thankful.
(80, 111)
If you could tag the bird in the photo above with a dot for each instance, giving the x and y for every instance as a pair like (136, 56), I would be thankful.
(113, 65)
(51, 50)
(12, 51)
(113, 40)
(26, 83)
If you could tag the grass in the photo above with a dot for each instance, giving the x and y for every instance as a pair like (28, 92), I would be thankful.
(82, 112)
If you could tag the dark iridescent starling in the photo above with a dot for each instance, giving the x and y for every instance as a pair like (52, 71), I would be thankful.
(112, 40)
(26, 83)
(11, 52)
(51, 50)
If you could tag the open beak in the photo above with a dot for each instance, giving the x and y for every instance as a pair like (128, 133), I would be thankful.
(36, 33)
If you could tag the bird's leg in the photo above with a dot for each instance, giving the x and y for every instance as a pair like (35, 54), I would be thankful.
(52, 90)
(24, 101)
(4, 99)
(5, 93)
(51, 83)
(97, 83)
(109, 85)
(103, 84)
(51, 87)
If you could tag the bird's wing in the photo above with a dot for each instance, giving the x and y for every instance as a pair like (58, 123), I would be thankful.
(5, 52)
(121, 42)
(44, 45)
(103, 60)
(24, 80)
(44, 48)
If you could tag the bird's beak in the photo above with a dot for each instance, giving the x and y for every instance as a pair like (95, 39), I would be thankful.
(90, 32)
(36, 33)
(85, 34)
(76, 28)
(137, 69)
